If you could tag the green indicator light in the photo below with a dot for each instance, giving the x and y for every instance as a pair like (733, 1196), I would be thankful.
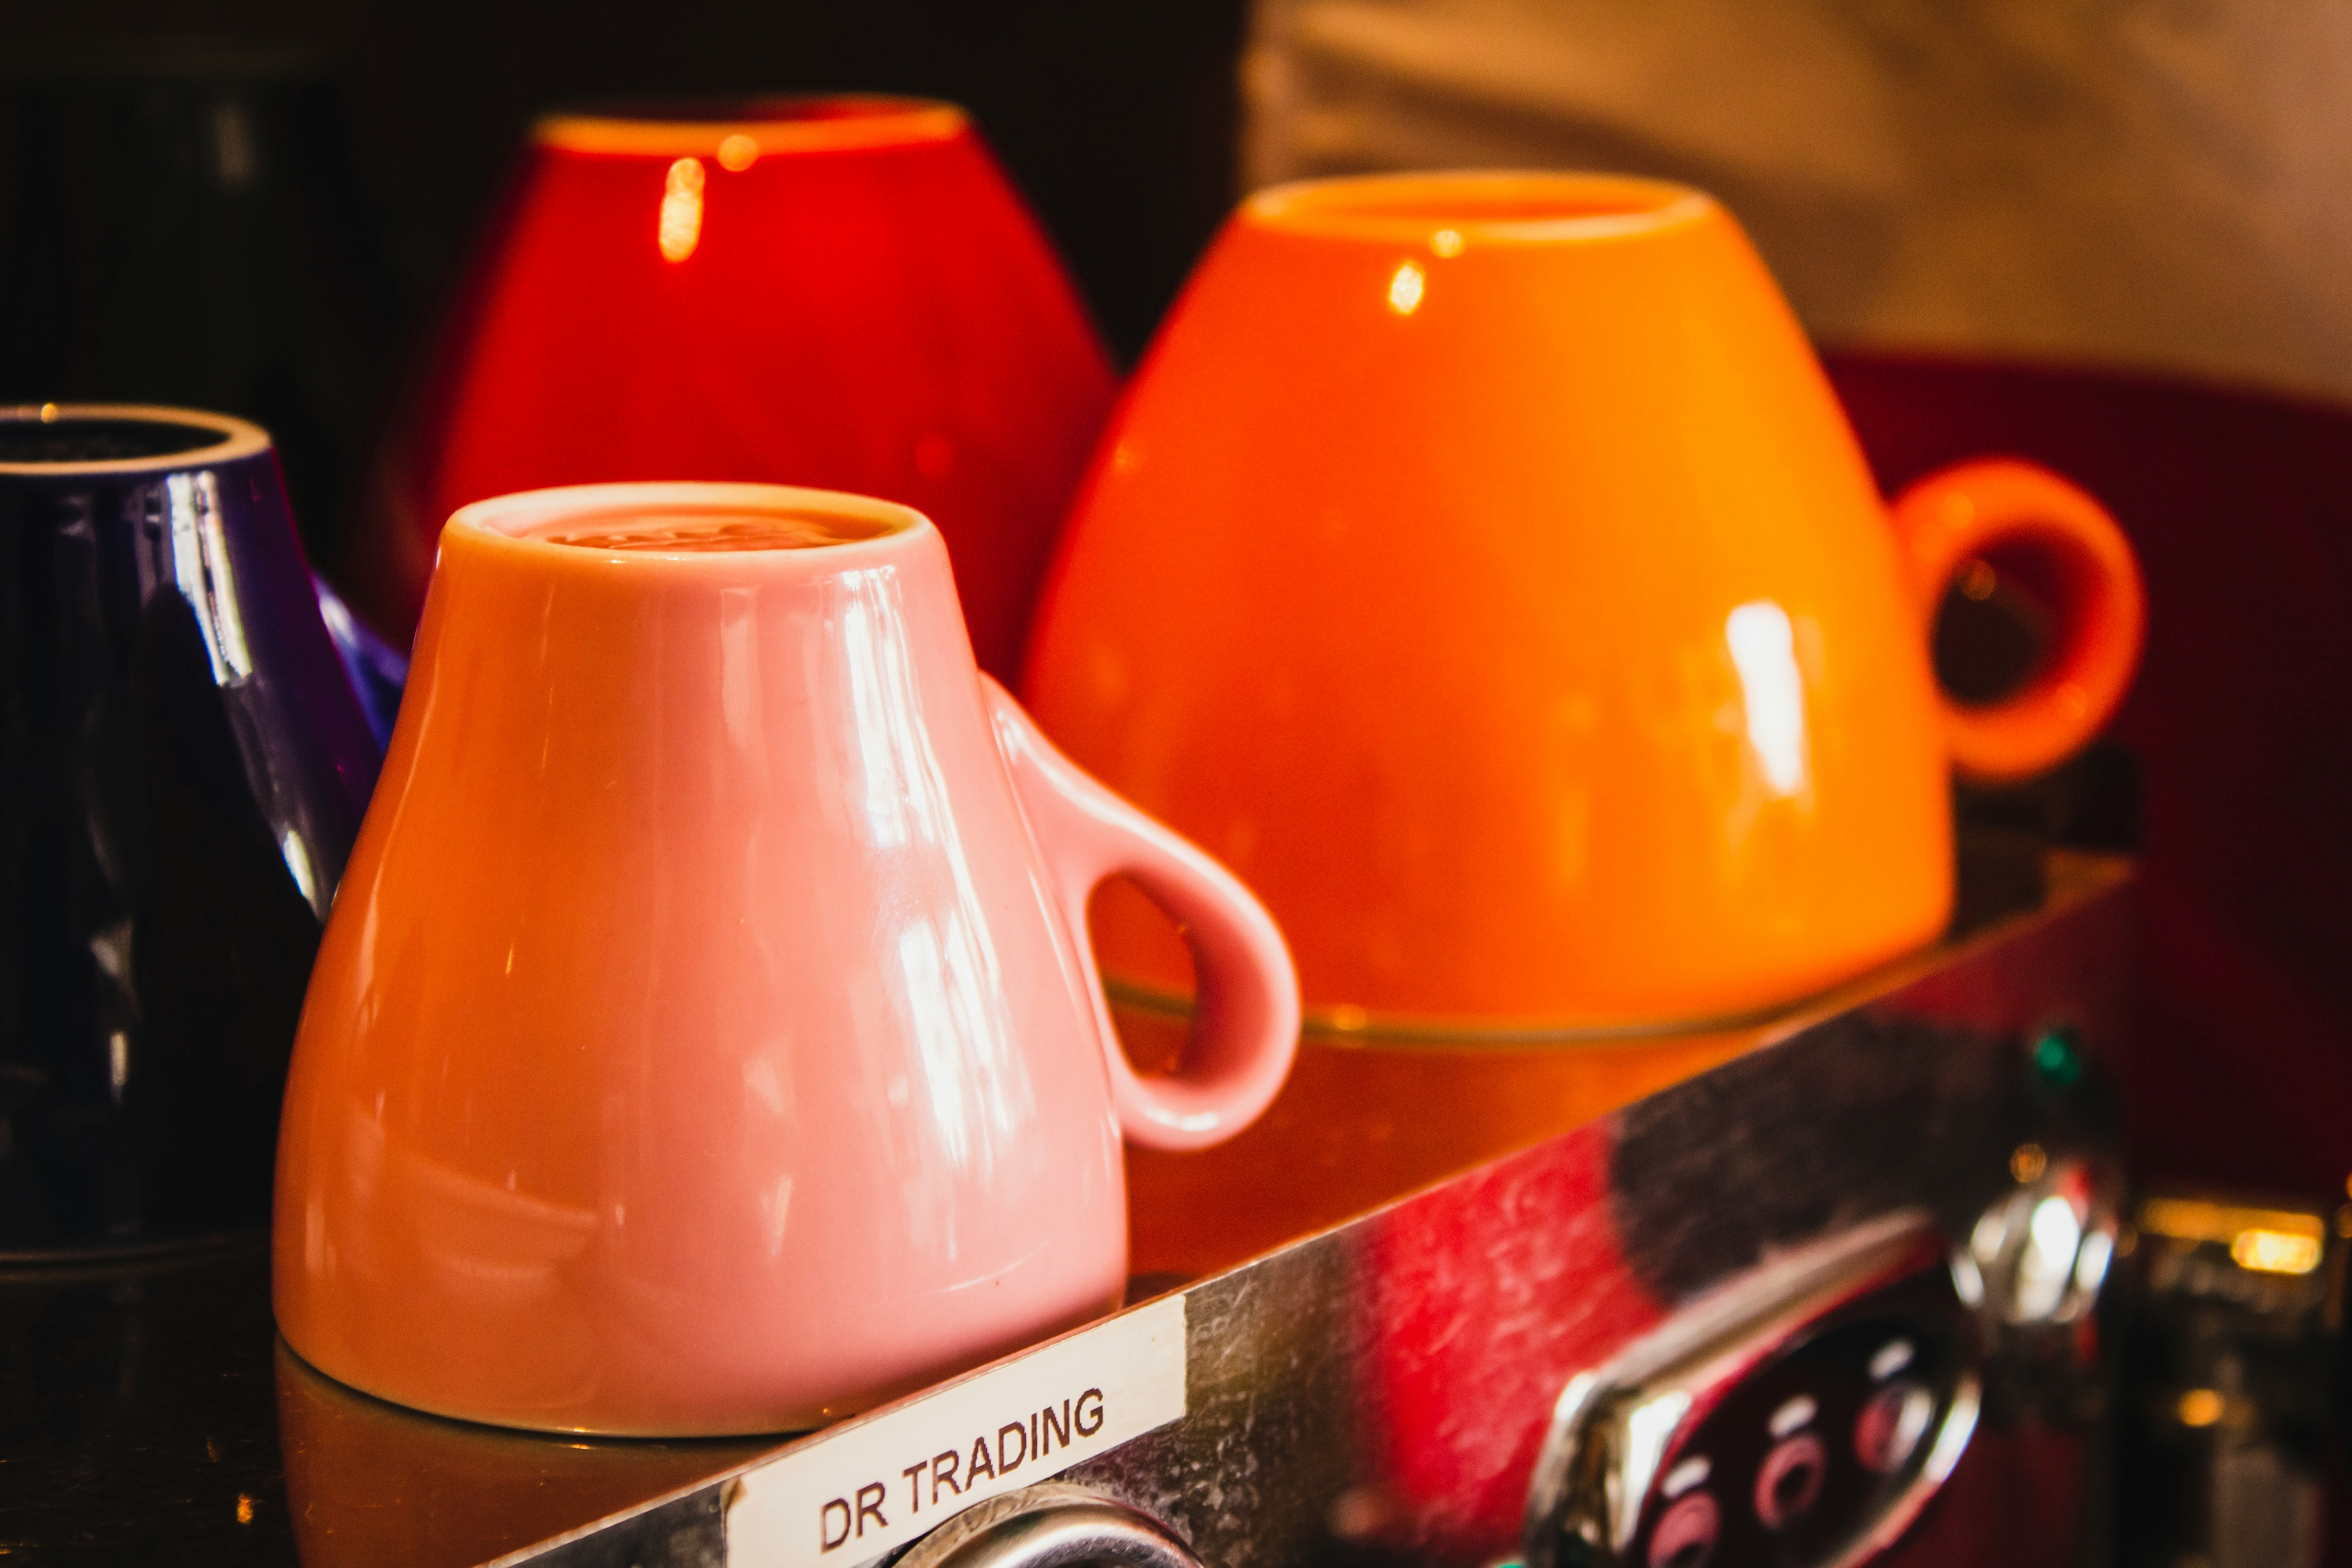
(2058, 1057)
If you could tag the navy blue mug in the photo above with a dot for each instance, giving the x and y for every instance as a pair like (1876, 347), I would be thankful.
(184, 764)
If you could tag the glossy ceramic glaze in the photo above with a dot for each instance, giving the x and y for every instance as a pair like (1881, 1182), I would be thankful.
(703, 1042)
(183, 767)
(844, 293)
(1482, 567)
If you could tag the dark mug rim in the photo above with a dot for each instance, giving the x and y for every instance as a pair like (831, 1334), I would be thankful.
(183, 438)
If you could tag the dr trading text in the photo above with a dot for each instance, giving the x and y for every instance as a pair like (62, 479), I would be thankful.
(955, 1471)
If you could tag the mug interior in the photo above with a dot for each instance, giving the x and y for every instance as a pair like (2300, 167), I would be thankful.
(31, 440)
(684, 518)
(1410, 208)
(741, 130)
(697, 531)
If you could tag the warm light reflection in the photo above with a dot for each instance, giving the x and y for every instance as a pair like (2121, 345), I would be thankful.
(1764, 650)
(2274, 1252)
(2266, 1241)
(1446, 242)
(681, 209)
(1404, 289)
(738, 152)
(2194, 1219)
(233, 145)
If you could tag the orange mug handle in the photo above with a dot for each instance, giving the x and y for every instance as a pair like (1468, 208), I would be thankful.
(2069, 553)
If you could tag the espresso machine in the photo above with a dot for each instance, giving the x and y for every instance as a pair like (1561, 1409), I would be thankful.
(1850, 1295)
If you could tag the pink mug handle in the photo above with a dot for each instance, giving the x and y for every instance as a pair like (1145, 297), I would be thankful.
(1245, 1022)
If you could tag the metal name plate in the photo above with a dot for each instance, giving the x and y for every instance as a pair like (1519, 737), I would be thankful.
(873, 1485)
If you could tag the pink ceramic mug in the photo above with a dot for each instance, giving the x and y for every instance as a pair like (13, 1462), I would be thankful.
(706, 1038)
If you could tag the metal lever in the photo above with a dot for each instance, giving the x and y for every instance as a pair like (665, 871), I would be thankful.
(1055, 1525)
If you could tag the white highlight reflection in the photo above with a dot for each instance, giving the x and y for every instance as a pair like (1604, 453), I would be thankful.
(298, 865)
(1691, 1472)
(2090, 1263)
(1764, 650)
(976, 1084)
(2047, 1264)
(200, 564)
(1404, 289)
(1649, 1427)
(680, 229)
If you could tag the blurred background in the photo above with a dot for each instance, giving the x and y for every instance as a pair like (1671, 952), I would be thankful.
(1119, 123)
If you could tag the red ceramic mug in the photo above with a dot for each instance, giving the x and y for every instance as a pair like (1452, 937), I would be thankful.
(844, 293)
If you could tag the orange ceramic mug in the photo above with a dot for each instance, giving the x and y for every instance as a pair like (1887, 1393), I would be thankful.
(1483, 568)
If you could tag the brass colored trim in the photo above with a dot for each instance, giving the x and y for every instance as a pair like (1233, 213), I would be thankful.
(2073, 878)
(1358, 1026)
(2196, 1219)
(2263, 1241)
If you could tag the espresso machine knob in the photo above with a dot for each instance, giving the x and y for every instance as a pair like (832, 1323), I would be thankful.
(1055, 1525)
(2039, 1255)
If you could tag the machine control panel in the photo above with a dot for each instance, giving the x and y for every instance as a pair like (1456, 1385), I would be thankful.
(1806, 1452)
(1802, 1414)
(1805, 1411)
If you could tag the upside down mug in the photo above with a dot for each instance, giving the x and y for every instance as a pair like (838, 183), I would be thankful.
(706, 1038)
(844, 292)
(183, 767)
(1482, 566)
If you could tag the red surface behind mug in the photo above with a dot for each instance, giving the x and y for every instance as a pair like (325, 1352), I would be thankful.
(840, 292)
